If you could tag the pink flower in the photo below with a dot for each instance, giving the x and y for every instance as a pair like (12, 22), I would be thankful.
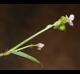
(40, 46)
(70, 19)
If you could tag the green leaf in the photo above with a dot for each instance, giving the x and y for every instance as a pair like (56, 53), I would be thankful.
(24, 55)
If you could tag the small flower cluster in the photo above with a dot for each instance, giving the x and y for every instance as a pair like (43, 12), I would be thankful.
(40, 46)
(70, 19)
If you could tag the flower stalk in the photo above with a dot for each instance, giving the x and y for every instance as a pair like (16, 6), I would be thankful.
(60, 25)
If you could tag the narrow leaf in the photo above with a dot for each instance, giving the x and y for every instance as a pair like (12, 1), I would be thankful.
(24, 55)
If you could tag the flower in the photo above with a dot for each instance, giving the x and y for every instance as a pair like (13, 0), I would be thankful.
(70, 19)
(40, 46)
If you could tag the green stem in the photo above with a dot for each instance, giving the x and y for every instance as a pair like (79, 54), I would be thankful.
(28, 39)
(28, 46)
(33, 36)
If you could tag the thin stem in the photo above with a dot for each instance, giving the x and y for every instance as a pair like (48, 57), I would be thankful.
(28, 46)
(2, 54)
(57, 23)
(28, 39)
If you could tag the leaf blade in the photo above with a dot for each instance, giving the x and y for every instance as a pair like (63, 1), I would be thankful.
(27, 56)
